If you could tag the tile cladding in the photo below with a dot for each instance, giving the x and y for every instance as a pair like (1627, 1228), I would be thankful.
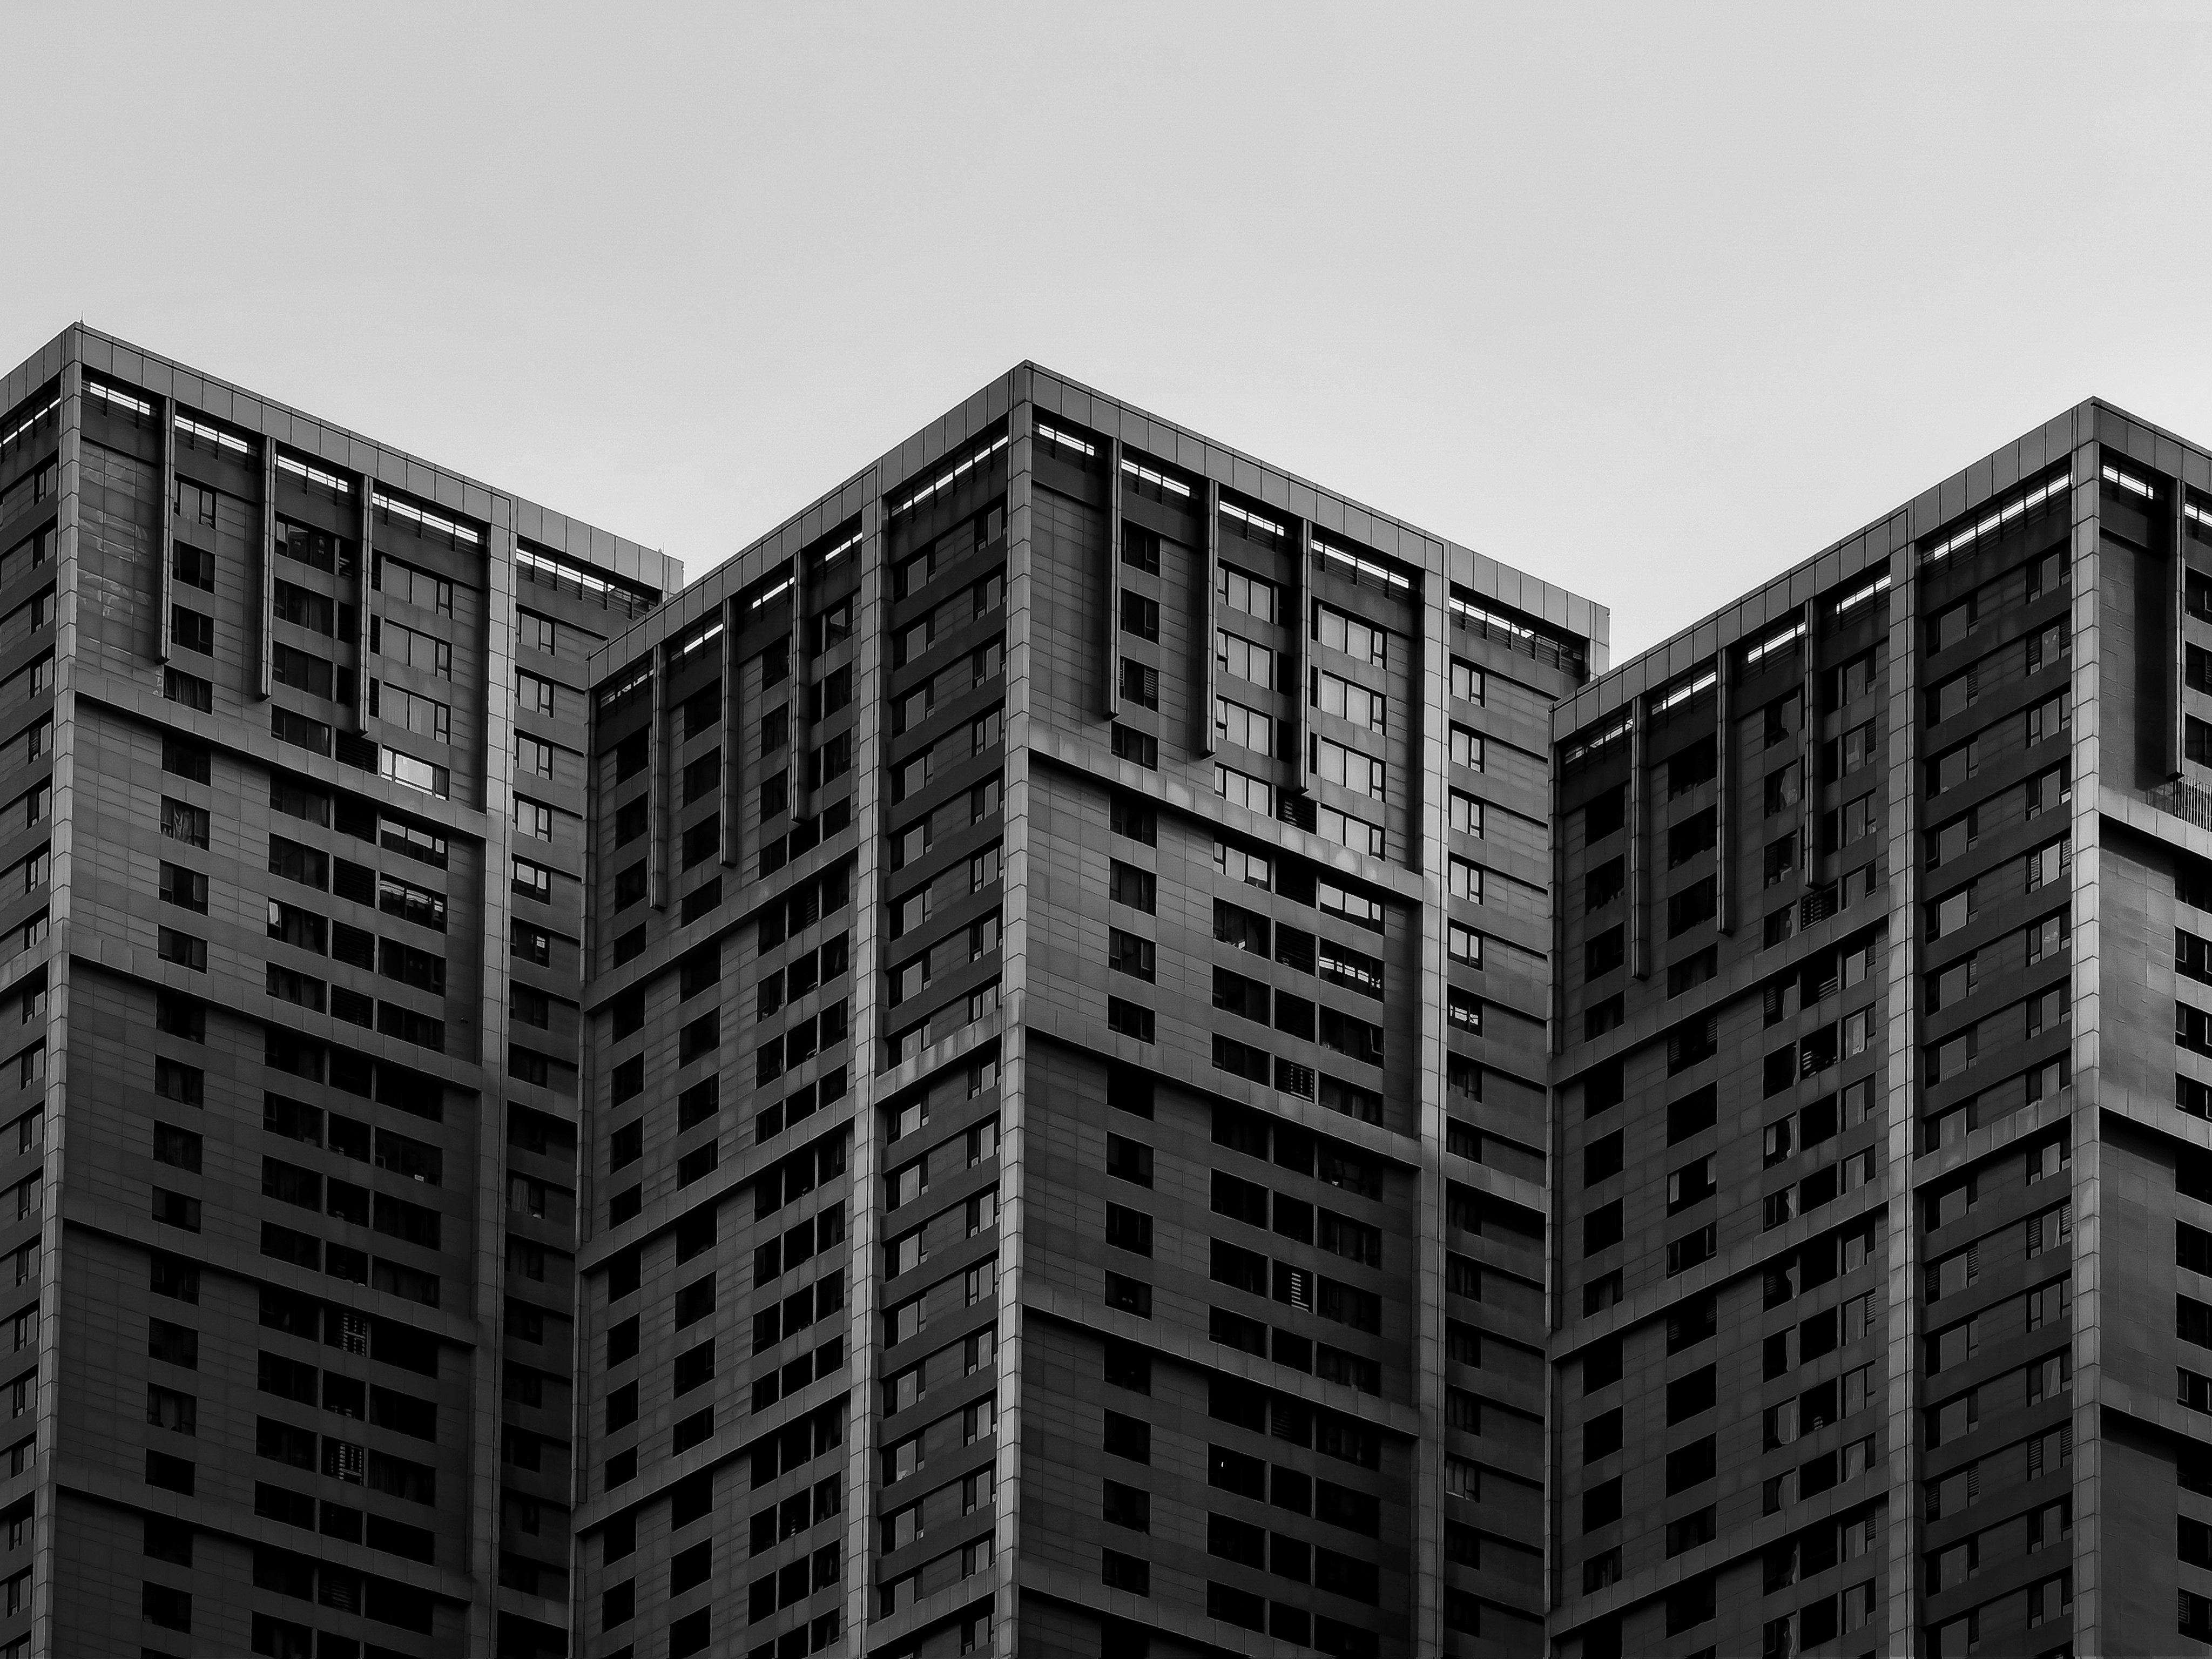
(1088, 1045)
(1850, 1192)
(1114, 875)
(292, 1163)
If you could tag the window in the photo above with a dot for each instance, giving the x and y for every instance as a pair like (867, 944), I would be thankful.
(1248, 728)
(1355, 907)
(182, 949)
(1334, 763)
(1243, 789)
(194, 566)
(1465, 748)
(1339, 964)
(409, 902)
(1467, 681)
(535, 881)
(410, 585)
(191, 691)
(1253, 869)
(533, 820)
(1125, 953)
(534, 756)
(1356, 639)
(289, 985)
(1141, 616)
(1464, 943)
(1334, 694)
(186, 759)
(303, 608)
(1141, 685)
(420, 776)
(1241, 659)
(303, 671)
(1137, 889)
(527, 943)
(183, 887)
(1948, 914)
(1126, 1019)
(1130, 744)
(533, 694)
(414, 648)
(192, 631)
(1240, 591)
(426, 717)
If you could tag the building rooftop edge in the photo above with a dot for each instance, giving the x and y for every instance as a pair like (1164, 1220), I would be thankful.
(669, 577)
(1580, 615)
(2091, 418)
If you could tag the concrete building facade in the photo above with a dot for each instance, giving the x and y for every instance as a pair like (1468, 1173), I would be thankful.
(1088, 1047)
(1065, 1132)
(1880, 1325)
(289, 1222)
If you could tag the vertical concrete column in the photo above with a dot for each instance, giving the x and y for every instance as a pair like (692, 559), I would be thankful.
(165, 580)
(656, 760)
(1724, 794)
(2087, 1190)
(863, 1328)
(1639, 856)
(53, 955)
(1808, 727)
(365, 584)
(802, 676)
(732, 748)
(1013, 998)
(1203, 573)
(1901, 1025)
(2177, 599)
(1299, 533)
(486, 1519)
(1111, 655)
(1427, 855)
(265, 629)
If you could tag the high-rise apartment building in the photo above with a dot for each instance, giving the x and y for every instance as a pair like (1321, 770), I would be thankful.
(1882, 1317)
(1087, 1048)
(1064, 1126)
(292, 820)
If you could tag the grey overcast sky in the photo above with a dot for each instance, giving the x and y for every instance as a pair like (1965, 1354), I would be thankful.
(1651, 300)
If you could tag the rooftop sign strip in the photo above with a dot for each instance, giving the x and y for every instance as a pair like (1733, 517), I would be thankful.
(706, 636)
(216, 436)
(27, 422)
(1612, 733)
(1230, 510)
(946, 480)
(1686, 690)
(1159, 480)
(401, 508)
(1858, 597)
(2129, 481)
(1474, 612)
(637, 678)
(313, 475)
(550, 569)
(1361, 568)
(1990, 523)
(1775, 642)
(127, 402)
(1065, 440)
